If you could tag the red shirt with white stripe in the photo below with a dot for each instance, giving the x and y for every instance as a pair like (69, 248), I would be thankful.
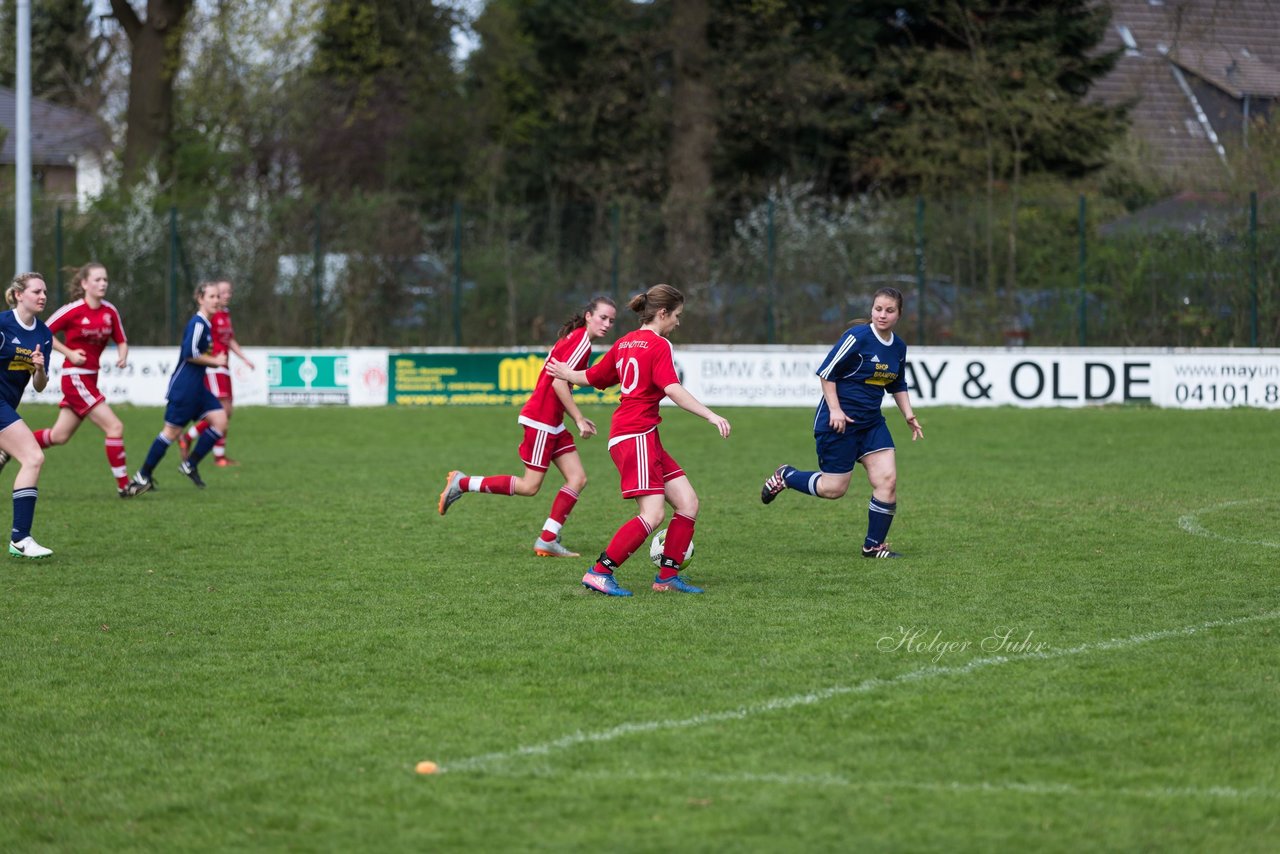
(643, 364)
(543, 410)
(87, 329)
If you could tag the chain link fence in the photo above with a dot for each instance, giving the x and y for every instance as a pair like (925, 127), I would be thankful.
(793, 269)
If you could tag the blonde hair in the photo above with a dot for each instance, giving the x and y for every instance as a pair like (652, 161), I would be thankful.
(658, 297)
(18, 286)
(79, 276)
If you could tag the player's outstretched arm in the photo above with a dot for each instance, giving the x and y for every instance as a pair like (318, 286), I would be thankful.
(682, 398)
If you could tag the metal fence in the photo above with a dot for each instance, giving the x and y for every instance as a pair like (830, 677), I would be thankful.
(791, 270)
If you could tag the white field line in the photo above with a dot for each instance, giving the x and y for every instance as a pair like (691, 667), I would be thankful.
(823, 781)
(1192, 525)
(867, 686)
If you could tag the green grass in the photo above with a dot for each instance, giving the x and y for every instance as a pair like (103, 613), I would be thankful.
(258, 666)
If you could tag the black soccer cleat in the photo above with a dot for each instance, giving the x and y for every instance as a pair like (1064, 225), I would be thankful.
(775, 484)
(881, 550)
(190, 471)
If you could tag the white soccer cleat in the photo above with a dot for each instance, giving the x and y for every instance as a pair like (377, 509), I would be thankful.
(4, 459)
(27, 547)
(452, 491)
(555, 548)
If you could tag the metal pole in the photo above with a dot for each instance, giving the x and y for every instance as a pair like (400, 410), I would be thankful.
(22, 143)
(772, 292)
(920, 283)
(457, 274)
(1081, 271)
(57, 256)
(317, 276)
(173, 274)
(1253, 266)
(613, 271)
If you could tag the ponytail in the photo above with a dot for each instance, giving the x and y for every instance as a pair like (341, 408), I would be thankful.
(658, 297)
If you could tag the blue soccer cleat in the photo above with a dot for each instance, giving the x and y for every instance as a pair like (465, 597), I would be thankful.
(604, 583)
(675, 582)
(879, 551)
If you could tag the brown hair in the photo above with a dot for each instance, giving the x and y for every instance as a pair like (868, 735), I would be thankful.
(78, 277)
(892, 293)
(579, 320)
(202, 287)
(18, 285)
(658, 297)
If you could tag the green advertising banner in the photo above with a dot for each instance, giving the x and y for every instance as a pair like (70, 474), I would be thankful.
(472, 379)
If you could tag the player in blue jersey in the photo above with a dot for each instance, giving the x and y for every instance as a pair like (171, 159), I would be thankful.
(189, 398)
(24, 342)
(864, 365)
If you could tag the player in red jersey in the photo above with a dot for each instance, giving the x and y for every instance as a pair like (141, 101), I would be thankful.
(89, 323)
(642, 363)
(218, 380)
(546, 439)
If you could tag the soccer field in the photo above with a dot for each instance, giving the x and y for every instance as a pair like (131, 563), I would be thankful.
(1080, 651)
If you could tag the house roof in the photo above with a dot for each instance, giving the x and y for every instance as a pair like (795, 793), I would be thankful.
(58, 133)
(1233, 45)
(1236, 72)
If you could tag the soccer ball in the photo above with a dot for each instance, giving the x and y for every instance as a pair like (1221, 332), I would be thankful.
(655, 550)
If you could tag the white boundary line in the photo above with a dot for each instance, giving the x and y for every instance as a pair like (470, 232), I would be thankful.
(867, 686)
(1191, 524)
(835, 780)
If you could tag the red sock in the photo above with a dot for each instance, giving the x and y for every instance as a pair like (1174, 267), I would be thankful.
(202, 426)
(498, 484)
(560, 510)
(220, 447)
(679, 535)
(42, 437)
(625, 542)
(115, 459)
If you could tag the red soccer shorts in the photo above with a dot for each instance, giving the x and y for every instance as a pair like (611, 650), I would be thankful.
(218, 383)
(539, 447)
(80, 393)
(644, 465)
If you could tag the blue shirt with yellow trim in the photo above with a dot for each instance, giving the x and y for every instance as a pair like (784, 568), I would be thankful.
(17, 343)
(864, 369)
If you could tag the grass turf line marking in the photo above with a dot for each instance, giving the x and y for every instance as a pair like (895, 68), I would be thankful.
(1191, 524)
(836, 780)
(777, 704)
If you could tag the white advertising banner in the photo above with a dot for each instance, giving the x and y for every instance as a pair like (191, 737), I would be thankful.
(287, 376)
(959, 376)
(768, 376)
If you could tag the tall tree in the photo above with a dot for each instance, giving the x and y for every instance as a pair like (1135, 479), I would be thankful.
(155, 57)
(384, 96)
(66, 57)
(693, 137)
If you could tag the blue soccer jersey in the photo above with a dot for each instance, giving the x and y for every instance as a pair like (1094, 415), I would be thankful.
(187, 381)
(17, 343)
(864, 369)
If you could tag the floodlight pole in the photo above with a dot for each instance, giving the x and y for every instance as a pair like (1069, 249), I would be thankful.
(22, 144)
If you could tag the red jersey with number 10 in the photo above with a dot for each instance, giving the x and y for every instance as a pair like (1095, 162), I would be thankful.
(543, 410)
(643, 364)
(87, 329)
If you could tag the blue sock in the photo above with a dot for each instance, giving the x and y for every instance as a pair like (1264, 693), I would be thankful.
(207, 440)
(158, 449)
(803, 481)
(879, 518)
(24, 511)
